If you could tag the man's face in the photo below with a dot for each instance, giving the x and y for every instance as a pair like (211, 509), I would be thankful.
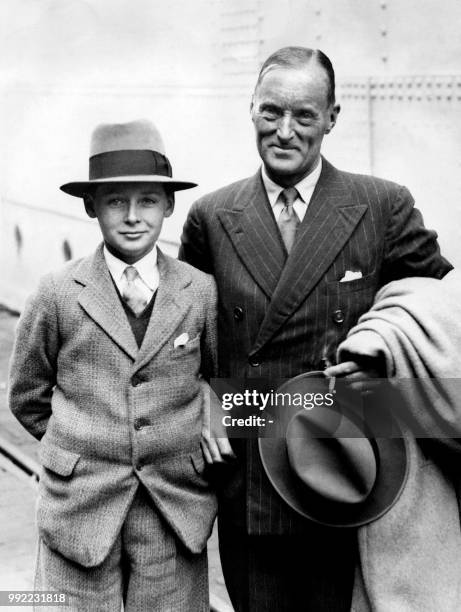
(130, 216)
(291, 115)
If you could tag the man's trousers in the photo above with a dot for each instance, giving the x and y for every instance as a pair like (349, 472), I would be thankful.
(311, 572)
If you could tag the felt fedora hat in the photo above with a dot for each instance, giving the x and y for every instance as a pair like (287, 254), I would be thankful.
(325, 462)
(127, 153)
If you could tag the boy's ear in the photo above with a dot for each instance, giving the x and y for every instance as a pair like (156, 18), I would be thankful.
(89, 205)
(170, 204)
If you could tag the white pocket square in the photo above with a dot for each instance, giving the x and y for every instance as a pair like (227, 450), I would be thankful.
(181, 340)
(350, 276)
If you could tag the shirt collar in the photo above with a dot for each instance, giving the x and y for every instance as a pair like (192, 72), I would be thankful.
(146, 267)
(305, 186)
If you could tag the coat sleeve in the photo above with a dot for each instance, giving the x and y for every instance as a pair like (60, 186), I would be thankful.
(212, 410)
(209, 340)
(34, 360)
(410, 248)
(194, 247)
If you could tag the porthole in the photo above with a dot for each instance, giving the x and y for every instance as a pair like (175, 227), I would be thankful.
(66, 250)
(18, 238)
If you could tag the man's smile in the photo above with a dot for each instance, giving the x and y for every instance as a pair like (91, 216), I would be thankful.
(277, 148)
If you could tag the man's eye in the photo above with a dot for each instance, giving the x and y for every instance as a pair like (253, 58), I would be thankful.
(269, 114)
(305, 118)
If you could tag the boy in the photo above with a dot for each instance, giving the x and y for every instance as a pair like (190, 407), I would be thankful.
(106, 372)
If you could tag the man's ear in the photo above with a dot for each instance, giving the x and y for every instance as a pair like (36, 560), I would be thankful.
(170, 204)
(252, 107)
(89, 205)
(334, 112)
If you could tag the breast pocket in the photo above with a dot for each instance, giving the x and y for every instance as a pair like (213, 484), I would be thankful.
(369, 281)
(185, 350)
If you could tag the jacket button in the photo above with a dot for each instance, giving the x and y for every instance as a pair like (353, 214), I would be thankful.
(140, 423)
(139, 466)
(254, 361)
(238, 313)
(136, 381)
(338, 316)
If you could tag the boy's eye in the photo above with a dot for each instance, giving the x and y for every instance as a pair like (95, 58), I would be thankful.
(116, 202)
(148, 201)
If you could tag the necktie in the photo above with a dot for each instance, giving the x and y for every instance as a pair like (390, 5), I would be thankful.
(288, 220)
(132, 295)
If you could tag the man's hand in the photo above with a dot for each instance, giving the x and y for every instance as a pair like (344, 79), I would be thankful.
(363, 375)
(215, 443)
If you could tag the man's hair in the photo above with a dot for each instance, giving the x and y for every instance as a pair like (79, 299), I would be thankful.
(300, 57)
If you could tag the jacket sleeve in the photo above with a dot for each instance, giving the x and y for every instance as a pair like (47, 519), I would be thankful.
(410, 248)
(194, 247)
(209, 341)
(34, 360)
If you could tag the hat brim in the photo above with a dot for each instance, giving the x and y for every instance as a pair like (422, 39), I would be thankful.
(392, 455)
(80, 188)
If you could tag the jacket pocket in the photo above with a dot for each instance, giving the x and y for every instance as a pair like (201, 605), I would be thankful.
(192, 346)
(58, 460)
(364, 282)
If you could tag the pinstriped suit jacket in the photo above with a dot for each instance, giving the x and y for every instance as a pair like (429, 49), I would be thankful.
(293, 312)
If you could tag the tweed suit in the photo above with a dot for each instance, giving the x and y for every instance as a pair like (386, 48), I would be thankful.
(279, 316)
(110, 416)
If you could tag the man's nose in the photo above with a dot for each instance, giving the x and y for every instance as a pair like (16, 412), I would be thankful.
(132, 213)
(285, 127)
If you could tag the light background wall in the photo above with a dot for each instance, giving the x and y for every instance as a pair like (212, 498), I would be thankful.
(67, 65)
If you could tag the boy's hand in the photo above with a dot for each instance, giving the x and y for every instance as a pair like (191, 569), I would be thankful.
(215, 443)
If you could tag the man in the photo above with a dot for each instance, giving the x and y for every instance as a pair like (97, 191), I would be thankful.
(298, 252)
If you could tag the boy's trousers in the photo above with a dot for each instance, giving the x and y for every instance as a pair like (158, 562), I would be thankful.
(148, 569)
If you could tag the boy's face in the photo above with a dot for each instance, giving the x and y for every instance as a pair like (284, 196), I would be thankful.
(130, 216)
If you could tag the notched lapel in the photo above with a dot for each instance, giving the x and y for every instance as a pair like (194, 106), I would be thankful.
(100, 301)
(330, 219)
(252, 230)
(169, 310)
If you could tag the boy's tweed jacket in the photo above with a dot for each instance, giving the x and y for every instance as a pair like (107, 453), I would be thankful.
(110, 416)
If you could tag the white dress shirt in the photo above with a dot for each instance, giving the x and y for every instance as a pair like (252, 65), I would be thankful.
(305, 189)
(147, 268)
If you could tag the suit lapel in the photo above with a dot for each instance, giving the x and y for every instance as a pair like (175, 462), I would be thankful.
(330, 219)
(100, 301)
(169, 309)
(253, 231)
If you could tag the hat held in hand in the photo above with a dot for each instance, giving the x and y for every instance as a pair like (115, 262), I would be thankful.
(326, 464)
(127, 153)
